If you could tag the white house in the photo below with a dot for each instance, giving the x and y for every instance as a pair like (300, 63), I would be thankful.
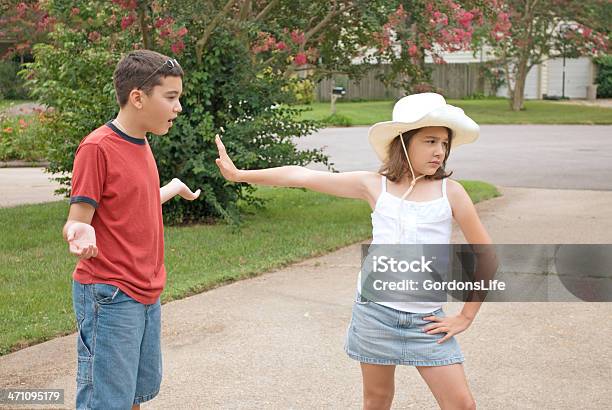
(542, 79)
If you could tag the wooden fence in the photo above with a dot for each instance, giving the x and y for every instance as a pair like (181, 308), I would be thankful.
(454, 81)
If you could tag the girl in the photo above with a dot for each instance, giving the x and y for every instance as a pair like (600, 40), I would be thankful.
(413, 149)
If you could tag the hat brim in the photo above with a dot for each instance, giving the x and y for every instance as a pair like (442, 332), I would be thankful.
(465, 130)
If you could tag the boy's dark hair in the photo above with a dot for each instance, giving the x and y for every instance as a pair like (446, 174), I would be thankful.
(396, 165)
(142, 69)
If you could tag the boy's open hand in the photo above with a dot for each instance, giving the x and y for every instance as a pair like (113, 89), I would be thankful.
(81, 239)
(184, 191)
(225, 164)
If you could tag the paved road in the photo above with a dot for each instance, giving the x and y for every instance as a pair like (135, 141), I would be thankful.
(534, 156)
(275, 341)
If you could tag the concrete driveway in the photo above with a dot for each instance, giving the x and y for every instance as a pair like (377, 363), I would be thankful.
(276, 341)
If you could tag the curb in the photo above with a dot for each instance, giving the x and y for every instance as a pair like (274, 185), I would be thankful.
(24, 164)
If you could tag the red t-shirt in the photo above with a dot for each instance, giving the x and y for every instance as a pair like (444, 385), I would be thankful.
(117, 175)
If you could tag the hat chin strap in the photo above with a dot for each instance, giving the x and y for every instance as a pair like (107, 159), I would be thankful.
(414, 180)
(400, 229)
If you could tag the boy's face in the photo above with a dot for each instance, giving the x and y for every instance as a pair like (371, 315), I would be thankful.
(162, 105)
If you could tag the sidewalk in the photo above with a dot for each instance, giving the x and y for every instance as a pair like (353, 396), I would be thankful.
(26, 186)
(276, 341)
(600, 102)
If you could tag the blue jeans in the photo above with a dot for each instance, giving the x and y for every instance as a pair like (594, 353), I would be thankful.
(119, 350)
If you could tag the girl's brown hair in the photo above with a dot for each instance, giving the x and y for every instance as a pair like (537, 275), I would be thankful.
(396, 166)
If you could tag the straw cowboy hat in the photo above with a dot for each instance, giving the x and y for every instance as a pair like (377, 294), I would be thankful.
(422, 110)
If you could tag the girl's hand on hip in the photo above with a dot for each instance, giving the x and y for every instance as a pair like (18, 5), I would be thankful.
(224, 162)
(451, 325)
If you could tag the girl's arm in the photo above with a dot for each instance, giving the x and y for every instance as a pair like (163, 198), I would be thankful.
(466, 216)
(358, 184)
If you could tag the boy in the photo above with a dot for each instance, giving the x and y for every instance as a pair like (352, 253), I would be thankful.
(115, 227)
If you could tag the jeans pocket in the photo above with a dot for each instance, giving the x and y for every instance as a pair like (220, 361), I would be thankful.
(83, 350)
(360, 300)
(439, 313)
(104, 293)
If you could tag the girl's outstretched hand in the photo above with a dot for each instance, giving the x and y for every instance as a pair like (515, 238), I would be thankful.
(224, 162)
(451, 325)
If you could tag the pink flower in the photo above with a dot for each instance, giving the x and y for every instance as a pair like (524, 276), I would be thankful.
(412, 50)
(165, 32)
(181, 32)
(465, 19)
(178, 47)
(127, 4)
(400, 13)
(281, 46)
(160, 22)
(127, 21)
(94, 36)
(297, 37)
(300, 59)
(22, 123)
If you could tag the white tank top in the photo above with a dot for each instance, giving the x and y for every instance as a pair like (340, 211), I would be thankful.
(421, 223)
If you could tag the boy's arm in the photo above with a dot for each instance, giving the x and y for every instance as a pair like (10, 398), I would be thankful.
(177, 187)
(356, 184)
(79, 233)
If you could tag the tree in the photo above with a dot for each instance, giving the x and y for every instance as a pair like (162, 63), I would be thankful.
(223, 93)
(24, 23)
(523, 33)
(417, 28)
(243, 60)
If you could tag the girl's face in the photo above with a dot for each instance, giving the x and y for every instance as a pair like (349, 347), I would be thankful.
(427, 150)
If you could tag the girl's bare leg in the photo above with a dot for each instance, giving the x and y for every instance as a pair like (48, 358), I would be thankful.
(449, 386)
(378, 386)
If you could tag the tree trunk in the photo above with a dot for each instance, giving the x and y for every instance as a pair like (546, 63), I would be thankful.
(142, 22)
(519, 86)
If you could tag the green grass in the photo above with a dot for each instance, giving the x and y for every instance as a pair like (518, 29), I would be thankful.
(479, 191)
(487, 111)
(35, 267)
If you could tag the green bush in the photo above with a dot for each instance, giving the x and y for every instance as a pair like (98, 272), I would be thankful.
(337, 120)
(226, 93)
(11, 85)
(604, 76)
(303, 90)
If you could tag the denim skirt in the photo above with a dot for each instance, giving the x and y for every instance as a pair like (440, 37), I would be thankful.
(382, 335)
